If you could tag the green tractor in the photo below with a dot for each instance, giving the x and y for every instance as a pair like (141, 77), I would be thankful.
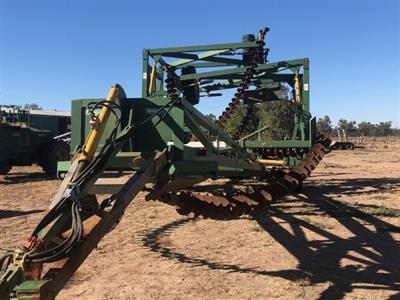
(29, 136)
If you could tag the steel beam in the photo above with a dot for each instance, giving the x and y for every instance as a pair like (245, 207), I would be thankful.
(232, 46)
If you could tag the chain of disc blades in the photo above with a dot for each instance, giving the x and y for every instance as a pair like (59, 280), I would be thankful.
(236, 202)
(170, 83)
(250, 71)
(280, 153)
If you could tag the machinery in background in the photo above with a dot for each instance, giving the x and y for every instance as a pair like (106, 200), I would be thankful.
(344, 143)
(162, 144)
(27, 136)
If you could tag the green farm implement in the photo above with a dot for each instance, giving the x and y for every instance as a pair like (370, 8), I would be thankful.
(29, 136)
(162, 144)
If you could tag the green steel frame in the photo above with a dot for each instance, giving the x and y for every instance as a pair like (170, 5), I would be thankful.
(224, 67)
(219, 67)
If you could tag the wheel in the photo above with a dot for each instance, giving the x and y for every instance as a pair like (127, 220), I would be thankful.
(350, 146)
(5, 167)
(51, 154)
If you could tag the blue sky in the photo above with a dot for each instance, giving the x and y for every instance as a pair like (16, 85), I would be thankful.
(55, 51)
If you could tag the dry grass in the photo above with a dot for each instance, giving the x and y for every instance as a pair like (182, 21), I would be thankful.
(303, 281)
(381, 211)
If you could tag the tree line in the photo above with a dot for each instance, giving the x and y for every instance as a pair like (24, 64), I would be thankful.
(277, 117)
(324, 125)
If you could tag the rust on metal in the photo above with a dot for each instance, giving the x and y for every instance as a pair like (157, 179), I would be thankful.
(237, 202)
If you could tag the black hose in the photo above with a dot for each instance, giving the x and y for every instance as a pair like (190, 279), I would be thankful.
(63, 249)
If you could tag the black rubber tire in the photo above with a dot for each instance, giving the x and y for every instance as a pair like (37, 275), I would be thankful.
(51, 154)
(248, 53)
(5, 167)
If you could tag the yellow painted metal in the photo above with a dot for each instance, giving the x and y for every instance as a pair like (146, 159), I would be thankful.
(271, 162)
(152, 85)
(297, 88)
(98, 127)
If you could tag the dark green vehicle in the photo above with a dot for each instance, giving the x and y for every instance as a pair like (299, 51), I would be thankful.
(29, 136)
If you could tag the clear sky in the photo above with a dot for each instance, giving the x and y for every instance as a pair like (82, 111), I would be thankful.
(55, 51)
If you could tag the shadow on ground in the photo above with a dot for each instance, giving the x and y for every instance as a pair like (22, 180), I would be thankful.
(4, 214)
(359, 186)
(16, 178)
(372, 249)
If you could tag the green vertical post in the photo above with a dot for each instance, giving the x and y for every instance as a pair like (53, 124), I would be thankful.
(145, 73)
(306, 85)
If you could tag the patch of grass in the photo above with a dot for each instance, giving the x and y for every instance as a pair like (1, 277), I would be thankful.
(302, 281)
(380, 197)
(380, 211)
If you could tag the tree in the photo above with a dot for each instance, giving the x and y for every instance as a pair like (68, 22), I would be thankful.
(324, 125)
(366, 128)
(33, 106)
(278, 116)
(384, 128)
(235, 121)
(396, 131)
(212, 117)
(348, 126)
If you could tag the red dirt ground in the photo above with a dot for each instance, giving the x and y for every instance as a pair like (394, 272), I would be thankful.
(338, 239)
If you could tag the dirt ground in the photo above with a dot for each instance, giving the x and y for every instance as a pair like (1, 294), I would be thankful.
(338, 239)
